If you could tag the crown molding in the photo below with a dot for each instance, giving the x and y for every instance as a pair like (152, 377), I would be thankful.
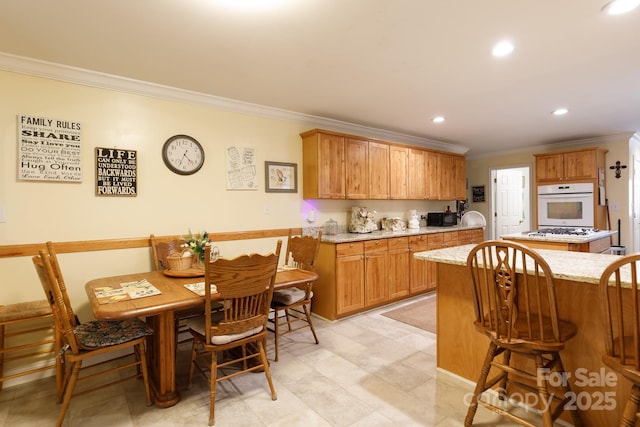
(50, 70)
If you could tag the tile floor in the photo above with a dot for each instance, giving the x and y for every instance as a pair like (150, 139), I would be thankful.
(368, 370)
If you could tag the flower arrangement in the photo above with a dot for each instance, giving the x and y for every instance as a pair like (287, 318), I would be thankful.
(196, 243)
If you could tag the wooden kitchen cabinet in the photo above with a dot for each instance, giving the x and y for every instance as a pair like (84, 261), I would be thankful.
(357, 276)
(376, 272)
(569, 166)
(474, 236)
(398, 267)
(460, 178)
(357, 173)
(418, 269)
(398, 172)
(350, 278)
(417, 174)
(378, 171)
(323, 157)
(340, 166)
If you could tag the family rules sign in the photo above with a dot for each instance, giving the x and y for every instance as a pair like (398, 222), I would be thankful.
(49, 149)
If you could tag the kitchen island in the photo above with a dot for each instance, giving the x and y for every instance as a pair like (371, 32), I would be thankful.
(461, 349)
(598, 242)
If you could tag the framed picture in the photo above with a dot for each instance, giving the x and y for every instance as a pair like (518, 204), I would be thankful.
(477, 193)
(281, 177)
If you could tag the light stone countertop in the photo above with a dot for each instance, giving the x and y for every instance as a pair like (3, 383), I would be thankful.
(560, 238)
(383, 234)
(575, 266)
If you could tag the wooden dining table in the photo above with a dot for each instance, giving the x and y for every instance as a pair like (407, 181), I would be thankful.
(159, 311)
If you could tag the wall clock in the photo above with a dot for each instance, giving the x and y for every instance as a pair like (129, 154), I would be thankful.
(183, 155)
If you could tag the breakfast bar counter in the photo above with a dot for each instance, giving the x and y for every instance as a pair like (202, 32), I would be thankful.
(461, 349)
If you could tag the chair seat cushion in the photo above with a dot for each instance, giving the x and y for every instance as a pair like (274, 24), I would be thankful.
(289, 296)
(197, 325)
(103, 333)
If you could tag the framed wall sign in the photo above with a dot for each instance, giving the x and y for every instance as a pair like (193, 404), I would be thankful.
(477, 192)
(280, 177)
(116, 172)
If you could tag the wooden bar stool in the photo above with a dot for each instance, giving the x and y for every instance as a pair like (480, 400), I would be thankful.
(30, 313)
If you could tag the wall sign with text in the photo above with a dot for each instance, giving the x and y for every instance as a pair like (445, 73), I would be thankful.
(49, 149)
(116, 172)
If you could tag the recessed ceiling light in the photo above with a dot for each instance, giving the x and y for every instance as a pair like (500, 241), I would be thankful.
(438, 119)
(502, 48)
(618, 7)
(560, 112)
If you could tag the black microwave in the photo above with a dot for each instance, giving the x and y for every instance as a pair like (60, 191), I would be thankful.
(441, 219)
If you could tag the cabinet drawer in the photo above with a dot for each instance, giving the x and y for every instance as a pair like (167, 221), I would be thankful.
(420, 240)
(435, 241)
(450, 238)
(353, 248)
(379, 245)
(398, 243)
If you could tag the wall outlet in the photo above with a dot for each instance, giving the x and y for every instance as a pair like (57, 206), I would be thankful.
(267, 209)
(613, 207)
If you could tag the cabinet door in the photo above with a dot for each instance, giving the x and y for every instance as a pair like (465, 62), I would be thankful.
(399, 170)
(432, 176)
(356, 172)
(580, 165)
(549, 168)
(398, 273)
(446, 176)
(331, 181)
(378, 171)
(460, 171)
(418, 269)
(349, 283)
(376, 276)
(417, 178)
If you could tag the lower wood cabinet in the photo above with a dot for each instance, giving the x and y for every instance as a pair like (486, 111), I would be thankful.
(399, 259)
(376, 272)
(357, 276)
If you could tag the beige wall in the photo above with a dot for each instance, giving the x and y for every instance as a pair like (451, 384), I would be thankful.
(618, 191)
(166, 203)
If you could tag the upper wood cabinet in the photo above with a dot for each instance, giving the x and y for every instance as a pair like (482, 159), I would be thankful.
(323, 157)
(378, 170)
(398, 172)
(339, 166)
(417, 174)
(357, 174)
(577, 165)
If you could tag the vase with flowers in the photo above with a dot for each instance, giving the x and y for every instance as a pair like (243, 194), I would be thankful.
(197, 243)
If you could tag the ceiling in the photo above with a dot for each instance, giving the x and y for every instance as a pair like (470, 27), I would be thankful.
(390, 65)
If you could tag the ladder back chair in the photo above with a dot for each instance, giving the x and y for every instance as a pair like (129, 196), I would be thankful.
(515, 307)
(294, 304)
(620, 307)
(244, 286)
(82, 341)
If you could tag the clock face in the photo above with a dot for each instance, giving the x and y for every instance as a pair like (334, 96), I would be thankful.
(183, 155)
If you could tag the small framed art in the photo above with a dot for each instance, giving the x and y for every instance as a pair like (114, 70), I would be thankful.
(280, 177)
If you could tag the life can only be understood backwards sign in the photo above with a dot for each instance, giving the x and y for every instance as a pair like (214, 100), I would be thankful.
(116, 172)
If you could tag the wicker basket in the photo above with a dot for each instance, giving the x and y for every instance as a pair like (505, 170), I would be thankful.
(178, 262)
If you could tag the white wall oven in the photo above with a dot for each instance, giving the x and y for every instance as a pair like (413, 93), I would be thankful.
(566, 205)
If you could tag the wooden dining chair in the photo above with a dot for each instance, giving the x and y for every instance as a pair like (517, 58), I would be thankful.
(515, 307)
(294, 304)
(244, 286)
(97, 338)
(620, 307)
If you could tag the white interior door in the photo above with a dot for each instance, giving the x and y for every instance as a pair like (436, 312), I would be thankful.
(512, 210)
